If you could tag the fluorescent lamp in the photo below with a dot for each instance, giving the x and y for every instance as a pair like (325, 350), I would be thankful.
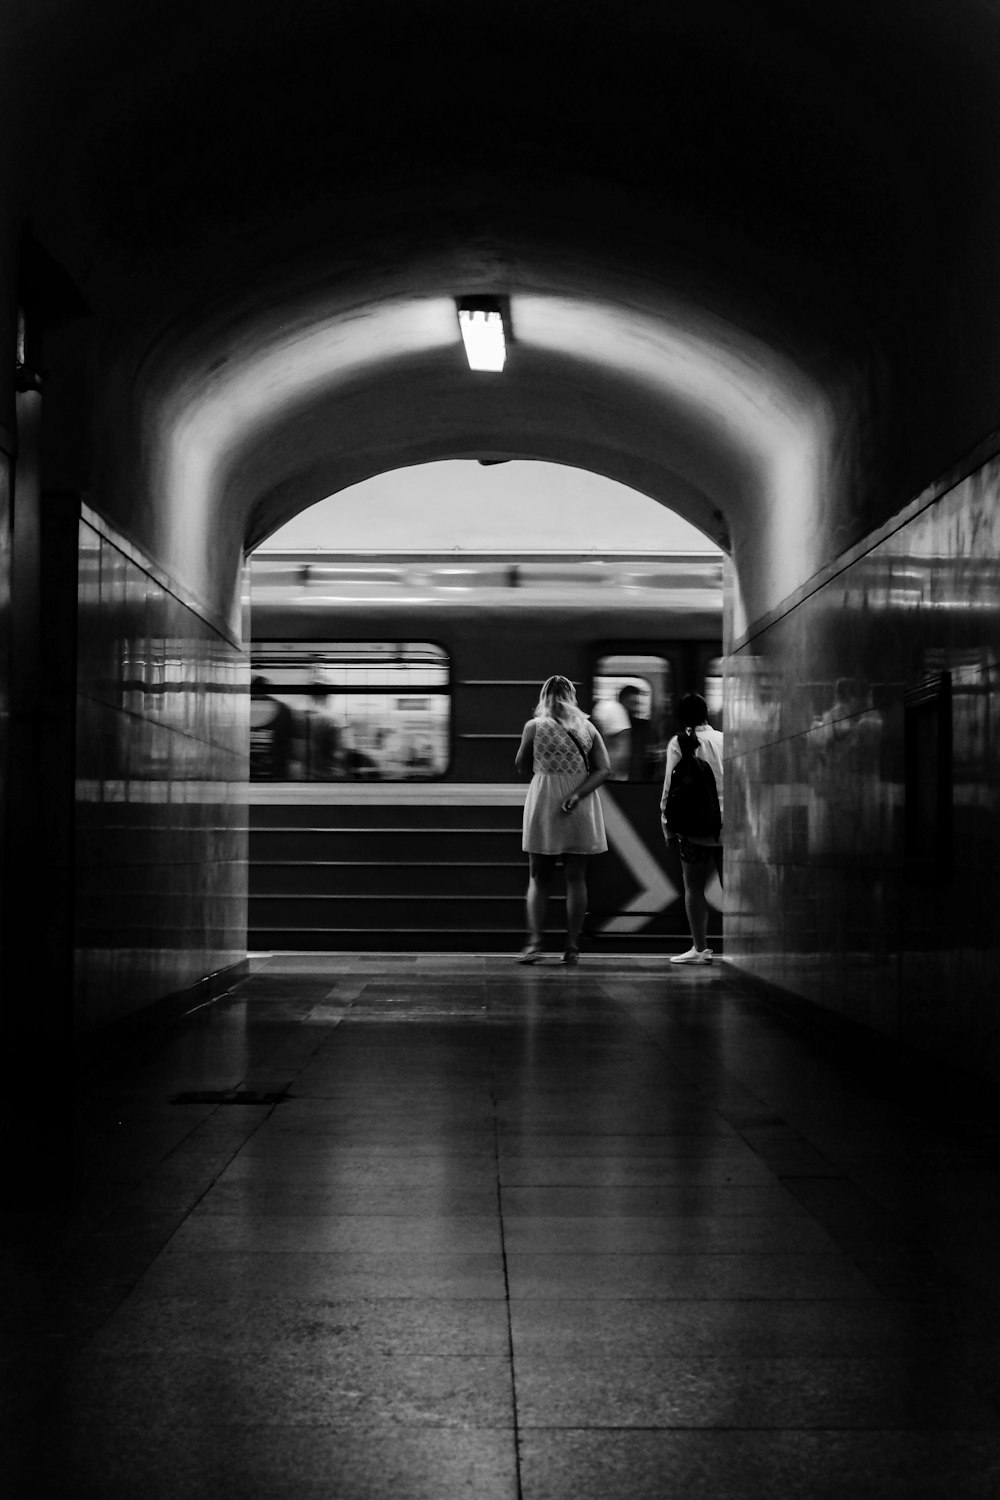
(482, 333)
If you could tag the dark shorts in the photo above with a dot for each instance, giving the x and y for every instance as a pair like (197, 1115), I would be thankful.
(694, 854)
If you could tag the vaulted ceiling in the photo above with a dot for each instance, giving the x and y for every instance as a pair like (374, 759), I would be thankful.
(750, 252)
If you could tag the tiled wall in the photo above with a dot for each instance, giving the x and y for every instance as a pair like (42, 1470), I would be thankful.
(161, 787)
(824, 894)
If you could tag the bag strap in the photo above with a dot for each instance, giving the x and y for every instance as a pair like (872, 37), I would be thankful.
(586, 757)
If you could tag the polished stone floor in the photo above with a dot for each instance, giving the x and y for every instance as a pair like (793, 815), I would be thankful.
(538, 1234)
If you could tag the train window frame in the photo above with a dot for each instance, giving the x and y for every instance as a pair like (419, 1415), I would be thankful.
(444, 690)
(687, 658)
(638, 650)
(716, 714)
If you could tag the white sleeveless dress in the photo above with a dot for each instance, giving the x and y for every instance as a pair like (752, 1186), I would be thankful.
(558, 769)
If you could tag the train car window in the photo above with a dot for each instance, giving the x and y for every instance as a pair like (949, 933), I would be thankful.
(349, 711)
(632, 698)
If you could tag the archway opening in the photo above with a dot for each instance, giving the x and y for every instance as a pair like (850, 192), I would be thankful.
(400, 632)
(488, 505)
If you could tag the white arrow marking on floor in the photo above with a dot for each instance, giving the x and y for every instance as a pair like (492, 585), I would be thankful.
(658, 890)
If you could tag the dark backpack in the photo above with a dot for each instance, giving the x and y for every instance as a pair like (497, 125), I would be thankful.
(692, 805)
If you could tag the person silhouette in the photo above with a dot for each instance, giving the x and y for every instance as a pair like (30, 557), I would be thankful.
(700, 850)
(272, 730)
(563, 817)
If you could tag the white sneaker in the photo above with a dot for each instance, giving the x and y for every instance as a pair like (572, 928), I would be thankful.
(693, 956)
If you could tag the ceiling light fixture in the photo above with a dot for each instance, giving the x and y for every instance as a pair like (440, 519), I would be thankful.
(481, 322)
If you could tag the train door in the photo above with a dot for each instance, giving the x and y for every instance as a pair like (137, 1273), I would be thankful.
(636, 892)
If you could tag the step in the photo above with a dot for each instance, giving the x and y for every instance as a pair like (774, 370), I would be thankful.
(501, 941)
(382, 845)
(381, 815)
(382, 913)
(336, 878)
(398, 940)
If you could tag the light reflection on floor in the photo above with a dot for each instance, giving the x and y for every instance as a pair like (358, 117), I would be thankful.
(550, 1233)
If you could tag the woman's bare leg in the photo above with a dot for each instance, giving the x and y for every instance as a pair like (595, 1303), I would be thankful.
(541, 867)
(575, 870)
(695, 880)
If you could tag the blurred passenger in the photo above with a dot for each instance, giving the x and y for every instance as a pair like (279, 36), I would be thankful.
(360, 766)
(323, 737)
(612, 718)
(630, 699)
(563, 818)
(272, 729)
(420, 759)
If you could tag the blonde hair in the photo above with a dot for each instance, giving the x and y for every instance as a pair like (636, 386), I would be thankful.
(557, 700)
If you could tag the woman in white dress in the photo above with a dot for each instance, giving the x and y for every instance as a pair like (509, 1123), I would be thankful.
(563, 818)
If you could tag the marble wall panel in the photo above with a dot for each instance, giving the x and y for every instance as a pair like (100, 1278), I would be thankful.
(161, 776)
(6, 555)
(824, 894)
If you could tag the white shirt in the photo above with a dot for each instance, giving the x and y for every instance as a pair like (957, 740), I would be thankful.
(611, 716)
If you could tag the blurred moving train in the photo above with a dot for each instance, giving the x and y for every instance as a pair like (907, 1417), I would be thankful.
(387, 700)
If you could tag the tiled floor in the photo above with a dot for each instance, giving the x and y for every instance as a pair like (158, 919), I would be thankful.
(554, 1234)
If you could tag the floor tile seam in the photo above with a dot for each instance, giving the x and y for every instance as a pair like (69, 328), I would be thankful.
(178, 1217)
(798, 1142)
(914, 1239)
(934, 1434)
(355, 1153)
(687, 1077)
(414, 1253)
(677, 1362)
(382, 1429)
(185, 1214)
(280, 1302)
(773, 1305)
(475, 1136)
(808, 1299)
(262, 1212)
(371, 1257)
(353, 1421)
(701, 1252)
(692, 1359)
(704, 1253)
(507, 1303)
(854, 1429)
(293, 1351)
(820, 1257)
(640, 1029)
(343, 1360)
(446, 1297)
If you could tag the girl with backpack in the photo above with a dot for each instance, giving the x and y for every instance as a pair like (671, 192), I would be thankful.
(691, 814)
(563, 818)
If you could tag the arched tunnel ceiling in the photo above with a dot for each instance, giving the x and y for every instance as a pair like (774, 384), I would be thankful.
(705, 416)
(744, 246)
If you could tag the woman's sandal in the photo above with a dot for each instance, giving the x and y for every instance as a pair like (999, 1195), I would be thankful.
(571, 956)
(532, 954)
